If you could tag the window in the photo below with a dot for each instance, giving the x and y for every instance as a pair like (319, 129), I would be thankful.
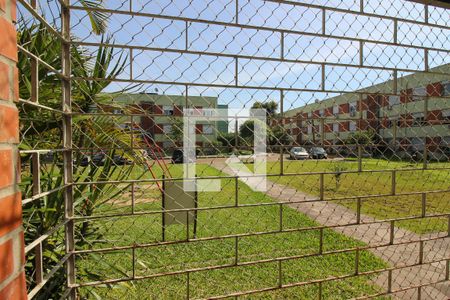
(117, 111)
(321, 113)
(167, 128)
(208, 112)
(419, 119)
(392, 122)
(309, 115)
(208, 129)
(168, 110)
(445, 142)
(352, 126)
(309, 129)
(394, 100)
(417, 144)
(419, 93)
(335, 127)
(352, 109)
(446, 115)
(336, 110)
(446, 85)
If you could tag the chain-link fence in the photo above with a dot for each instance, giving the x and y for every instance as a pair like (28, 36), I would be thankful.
(356, 97)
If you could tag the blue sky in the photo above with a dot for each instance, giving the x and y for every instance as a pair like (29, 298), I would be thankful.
(164, 33)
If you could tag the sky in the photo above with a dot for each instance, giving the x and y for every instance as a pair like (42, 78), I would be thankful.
(164, 33)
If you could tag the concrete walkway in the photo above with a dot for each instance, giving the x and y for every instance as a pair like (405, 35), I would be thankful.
(331, 214)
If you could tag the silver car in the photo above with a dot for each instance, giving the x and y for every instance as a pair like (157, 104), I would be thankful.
(298, 153)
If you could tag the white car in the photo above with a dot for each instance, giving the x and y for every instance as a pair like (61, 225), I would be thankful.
(298, 153)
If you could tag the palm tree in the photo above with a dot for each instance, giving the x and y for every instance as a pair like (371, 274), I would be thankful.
(41, 128)
(98, 18)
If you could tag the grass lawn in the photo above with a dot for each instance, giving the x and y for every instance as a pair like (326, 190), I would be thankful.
(378, 183)
(122, 231)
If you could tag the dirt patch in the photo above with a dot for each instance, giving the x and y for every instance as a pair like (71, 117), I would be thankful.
(143, 193)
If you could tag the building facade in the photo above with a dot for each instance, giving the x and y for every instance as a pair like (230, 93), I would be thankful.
(410, 113)
(158, 118)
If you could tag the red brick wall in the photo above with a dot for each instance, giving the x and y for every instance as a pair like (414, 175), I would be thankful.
(405, 96)
(363, 105)
(384, 123)
(433, 143)
(363, 124)
(147, 122)
(198, 128)
(434, 117)
(406, 120)
(158, 129)
(316, 113)
(177, 110)
(157, 110)
(12, 278)
(344, 108)
(372, 106)
(435, 89)
(384, 100)
(344, 126)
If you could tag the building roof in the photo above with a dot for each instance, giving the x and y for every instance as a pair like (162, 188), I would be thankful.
(418, 79)
(162, 99)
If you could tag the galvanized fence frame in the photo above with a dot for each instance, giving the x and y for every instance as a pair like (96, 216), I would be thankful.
(69, 264)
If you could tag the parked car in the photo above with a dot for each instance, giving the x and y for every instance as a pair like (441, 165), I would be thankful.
(120, 160)
(98, 159)
(318, 153)
(84, 161)
(177, 156)
(298, 153)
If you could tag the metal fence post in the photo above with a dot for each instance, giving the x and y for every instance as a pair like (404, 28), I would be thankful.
(67, 142)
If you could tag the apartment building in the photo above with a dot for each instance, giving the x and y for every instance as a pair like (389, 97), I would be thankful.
(156, 115)
(412, 112)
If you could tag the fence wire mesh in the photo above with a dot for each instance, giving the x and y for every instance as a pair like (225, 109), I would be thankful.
(357, 102)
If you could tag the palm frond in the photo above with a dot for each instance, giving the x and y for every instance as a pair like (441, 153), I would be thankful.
(99, 19)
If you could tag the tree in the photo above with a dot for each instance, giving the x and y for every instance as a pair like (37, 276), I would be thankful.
(276, 135)
(227, 140)
(271, 107)
(279, 136)
(176, 134)
(247, 129)
(41, 128)
(361, 138)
